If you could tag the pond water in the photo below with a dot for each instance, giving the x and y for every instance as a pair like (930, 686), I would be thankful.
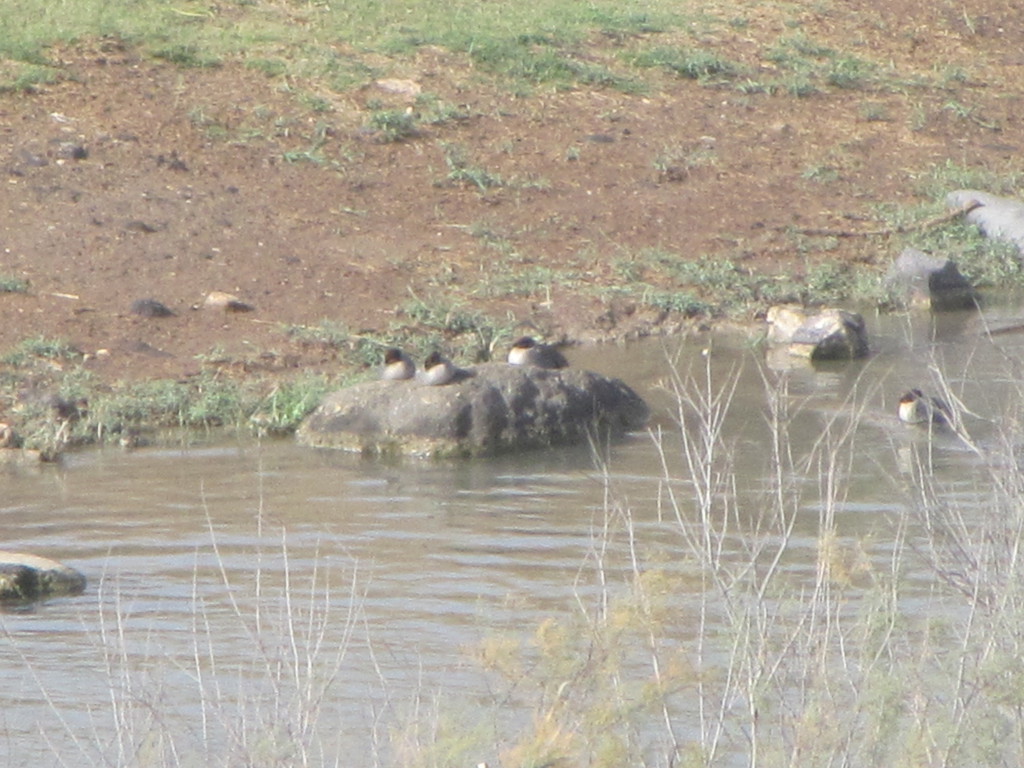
(258, 603)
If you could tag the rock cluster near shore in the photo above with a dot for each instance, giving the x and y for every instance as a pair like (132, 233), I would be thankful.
(495, 408)
(829, 334)
(26, 577)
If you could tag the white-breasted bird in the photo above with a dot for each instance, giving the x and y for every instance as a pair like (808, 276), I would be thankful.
(917, 408)
(397, 365)
(438, 370)
(528, 351)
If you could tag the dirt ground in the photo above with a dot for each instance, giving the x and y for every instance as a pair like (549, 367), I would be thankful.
(135, 178)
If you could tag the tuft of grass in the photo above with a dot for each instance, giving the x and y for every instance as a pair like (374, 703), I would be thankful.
(693, 64)
(848, 72)
(525, 281)
(22, 77)
(282, 410)
(40, 348)
(13, 284)
(939, 180)
(680, 302)
(186, 55)
(469, 334)
(361, 349)
(678, 162)
(462, 171)
(271, 67)
(822, 173)
(393, 125)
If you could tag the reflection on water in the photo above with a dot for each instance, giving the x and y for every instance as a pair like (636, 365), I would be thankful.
(247, 582)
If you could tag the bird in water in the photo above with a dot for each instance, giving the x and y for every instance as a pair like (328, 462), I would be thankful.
(438, 370)
(917, 408)
(528, 351)
(397, 365)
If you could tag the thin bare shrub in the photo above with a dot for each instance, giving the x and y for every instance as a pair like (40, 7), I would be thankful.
(272, 706)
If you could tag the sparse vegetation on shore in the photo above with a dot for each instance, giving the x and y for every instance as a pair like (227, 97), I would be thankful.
(604, 170)
(736, 624)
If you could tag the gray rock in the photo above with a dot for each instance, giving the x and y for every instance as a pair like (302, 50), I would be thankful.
(919, 280)
(829, 334)
(1001, 218)
(29, 577)
(494, 409)
(151, 308)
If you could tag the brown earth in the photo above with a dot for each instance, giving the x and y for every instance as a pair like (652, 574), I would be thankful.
(224, 179)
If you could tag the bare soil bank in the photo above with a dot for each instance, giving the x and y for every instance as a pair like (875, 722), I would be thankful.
(134, 178)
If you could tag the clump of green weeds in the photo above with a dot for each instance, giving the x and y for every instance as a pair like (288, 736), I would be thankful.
(281, 410)
(361, 349)
(462, 171)
(467, 333)
(525, 281)
(186, 55)
(678, 162)
(693, 64)
(30, 352)
(394, 125)
(13, 284)
(27, 78)
(940, 180)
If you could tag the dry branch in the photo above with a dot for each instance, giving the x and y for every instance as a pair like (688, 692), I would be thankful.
(897, 230)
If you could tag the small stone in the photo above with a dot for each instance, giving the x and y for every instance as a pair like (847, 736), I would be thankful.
(137, 225)
(401, 87)
(150, 308)
(226, 301)
(72, 151)
(8, 437)
(31, 158)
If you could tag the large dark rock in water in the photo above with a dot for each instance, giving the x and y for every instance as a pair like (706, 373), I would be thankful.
(494, 408)
(30, 577)
(828, 334)
(919, 280)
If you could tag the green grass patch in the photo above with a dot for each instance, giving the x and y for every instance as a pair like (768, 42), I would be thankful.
(21, 77)
(185, 56)
(694, 64)
(393, 125)
(13, 284)
(461, 169)
(39, 348)
(467, 334)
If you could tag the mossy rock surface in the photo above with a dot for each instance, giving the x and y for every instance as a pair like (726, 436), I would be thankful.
(25, 577)
(493, 408)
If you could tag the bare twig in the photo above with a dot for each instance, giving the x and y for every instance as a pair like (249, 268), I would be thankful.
(896, 230)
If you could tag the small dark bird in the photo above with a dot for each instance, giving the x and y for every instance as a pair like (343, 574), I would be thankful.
(397, 365)
(917, 408)
(527, 351)
(438, 370)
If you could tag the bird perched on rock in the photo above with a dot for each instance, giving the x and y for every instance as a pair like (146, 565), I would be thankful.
(528, 351)
(917, 408)
(397, 365)
(438, 370)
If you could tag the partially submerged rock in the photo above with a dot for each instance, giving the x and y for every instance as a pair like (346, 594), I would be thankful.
(829, 334)
(1001, 218)
(30, 577)
(497, 408)
(919, 280)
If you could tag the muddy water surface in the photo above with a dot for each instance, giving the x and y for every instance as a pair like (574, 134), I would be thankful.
(246, 595)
